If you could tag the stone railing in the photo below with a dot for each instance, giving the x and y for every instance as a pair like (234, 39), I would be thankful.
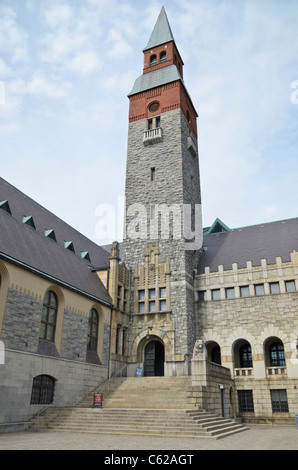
(152, 136)
(243, 372)
(276, 371)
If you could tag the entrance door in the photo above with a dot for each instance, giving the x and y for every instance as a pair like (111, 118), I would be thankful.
(154, 359)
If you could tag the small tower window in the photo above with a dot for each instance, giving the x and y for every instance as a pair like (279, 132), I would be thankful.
(153, 60)
(163, 57)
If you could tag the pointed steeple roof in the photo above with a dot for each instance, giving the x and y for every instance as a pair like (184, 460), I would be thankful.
(161, 33)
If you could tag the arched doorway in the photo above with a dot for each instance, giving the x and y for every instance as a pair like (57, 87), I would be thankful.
(154, 358)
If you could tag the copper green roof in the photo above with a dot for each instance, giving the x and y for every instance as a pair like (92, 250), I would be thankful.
(161, 33)
(156, 78)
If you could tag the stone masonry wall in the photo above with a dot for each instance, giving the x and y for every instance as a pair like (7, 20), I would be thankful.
(176, 170)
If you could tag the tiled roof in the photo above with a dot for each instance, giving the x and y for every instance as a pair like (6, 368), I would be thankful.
(161, 33)
(36, 248)
(253, 243)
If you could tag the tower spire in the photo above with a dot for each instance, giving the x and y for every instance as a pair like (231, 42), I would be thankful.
(161, 33)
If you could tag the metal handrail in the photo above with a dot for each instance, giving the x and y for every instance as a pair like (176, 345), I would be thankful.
(114, 376)
(46, 408)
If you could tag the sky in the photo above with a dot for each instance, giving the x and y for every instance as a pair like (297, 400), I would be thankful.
(67, 66)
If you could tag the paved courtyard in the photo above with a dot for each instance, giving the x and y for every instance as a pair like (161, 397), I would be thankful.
(257, 438)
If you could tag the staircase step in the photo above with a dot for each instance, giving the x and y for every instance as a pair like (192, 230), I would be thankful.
(155, 406)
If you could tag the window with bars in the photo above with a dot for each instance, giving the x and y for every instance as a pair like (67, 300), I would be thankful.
(49, 317)
(43, 390)
(245, 401)
(279, 401)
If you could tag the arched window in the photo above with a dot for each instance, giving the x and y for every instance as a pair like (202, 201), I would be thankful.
(153, 60)
(245, 356)
(163, 57)
(92, 330)
(43, 390)
(277, 355)
(49, 317)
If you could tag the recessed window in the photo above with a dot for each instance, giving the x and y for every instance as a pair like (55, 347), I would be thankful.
(163, 57)
(151, 300)
(163, 299)
(279, 401)
(230, 293)
(141, 299)
(92, 330)
(154, 107)
(290, 286)
(153, 60)
(259, 289)
(43, 389)
(274, 288)
(245, 401)
(216, 294)
(277, 355)
(153, 123)
(153, 175)
(49, 317)
(202, 296)
(244, 291)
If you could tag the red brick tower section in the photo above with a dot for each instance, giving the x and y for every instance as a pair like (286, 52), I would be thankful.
(153, 100)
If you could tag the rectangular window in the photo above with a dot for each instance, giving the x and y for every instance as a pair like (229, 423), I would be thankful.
(230, 293)
(216, 294)
(274, 288)
(245, 401)
(244, 291)
(152, 174)
(151, 300)
(141, 297)
(259, 289)
(162, 299)
(290, 286)
(202, 296)
(279, 401)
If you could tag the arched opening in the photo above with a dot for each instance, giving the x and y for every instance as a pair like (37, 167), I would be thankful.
(154, 358)
(274, 352)
(213, 352)
(243, 354)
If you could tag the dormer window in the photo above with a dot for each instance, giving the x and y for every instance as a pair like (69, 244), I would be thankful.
(29, 221)
(5, 207)
(69, 246)
(163, 57)
(153, 60)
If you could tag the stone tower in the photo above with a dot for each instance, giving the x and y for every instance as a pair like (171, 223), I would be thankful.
(163, 230)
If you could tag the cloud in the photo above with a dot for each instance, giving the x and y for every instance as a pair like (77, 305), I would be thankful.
(13, 39)
(39, 85)
(69, 44)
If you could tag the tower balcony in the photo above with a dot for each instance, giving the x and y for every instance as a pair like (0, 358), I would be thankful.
(192, 144)
(153, 136)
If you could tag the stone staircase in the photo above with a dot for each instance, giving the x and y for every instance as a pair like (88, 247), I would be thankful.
(148, 406)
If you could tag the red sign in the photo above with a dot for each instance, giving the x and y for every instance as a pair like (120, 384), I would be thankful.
(97, 399)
